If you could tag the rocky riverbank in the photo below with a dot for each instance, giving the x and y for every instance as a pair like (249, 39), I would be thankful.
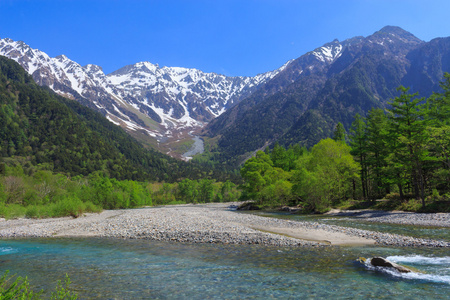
(396, 217)
(209, 223)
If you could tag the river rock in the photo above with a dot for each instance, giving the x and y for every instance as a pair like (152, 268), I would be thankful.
(382, 262)
(248, 206)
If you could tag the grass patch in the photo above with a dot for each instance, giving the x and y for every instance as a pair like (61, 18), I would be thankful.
(176, 202)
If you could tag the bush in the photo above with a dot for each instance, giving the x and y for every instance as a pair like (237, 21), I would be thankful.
(69, 206)
(32, 212)
(20, 289)
(176, 202)
(12, 211)
(17, 289)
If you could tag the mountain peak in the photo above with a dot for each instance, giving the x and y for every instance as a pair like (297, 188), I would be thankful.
(399, 32)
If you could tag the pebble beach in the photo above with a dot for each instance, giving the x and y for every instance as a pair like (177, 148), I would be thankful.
(215, 223)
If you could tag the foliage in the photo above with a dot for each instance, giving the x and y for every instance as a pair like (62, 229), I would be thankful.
(46, 194)
(193, 191)
(318, 177)
(402, 152)
(19, 288)
(339, 132)
(40, 128)
(63, 291)
(326, 175)
(405, 150)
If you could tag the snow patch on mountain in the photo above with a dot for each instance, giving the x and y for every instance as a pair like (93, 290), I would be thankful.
(134, 96)
(329, 52)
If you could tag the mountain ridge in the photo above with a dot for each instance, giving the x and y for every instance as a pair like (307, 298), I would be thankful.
(242, 114)
(311, 98)
(152, 103)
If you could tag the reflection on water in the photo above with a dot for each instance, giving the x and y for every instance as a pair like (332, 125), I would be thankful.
(126, 269)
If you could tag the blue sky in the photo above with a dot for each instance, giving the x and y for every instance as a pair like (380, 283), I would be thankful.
(236, 38)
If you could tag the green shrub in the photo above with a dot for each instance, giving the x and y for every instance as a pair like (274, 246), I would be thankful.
(91, 207)
(32, 212)
(69, 206)
(393, 196)
(12, 211)
(176, 202)
(19, 288)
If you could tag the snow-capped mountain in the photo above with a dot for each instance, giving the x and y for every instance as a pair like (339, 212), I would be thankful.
(303, 103)
(142, 97)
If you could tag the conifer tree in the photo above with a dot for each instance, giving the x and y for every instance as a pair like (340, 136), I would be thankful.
(358, 143)
(439, 129)
(408, 120)
(339, 133)
(377, 151)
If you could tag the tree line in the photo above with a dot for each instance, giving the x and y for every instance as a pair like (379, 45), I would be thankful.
(69, 138)
(44, 194)
(402, 152)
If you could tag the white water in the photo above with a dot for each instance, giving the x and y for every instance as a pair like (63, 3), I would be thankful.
(131, 269)
(7, 250)
(433, 269)
(420, 260)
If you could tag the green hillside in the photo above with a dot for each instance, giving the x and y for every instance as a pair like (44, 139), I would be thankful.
(40, 128)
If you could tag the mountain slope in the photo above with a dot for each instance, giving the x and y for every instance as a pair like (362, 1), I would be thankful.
(150, 102)
(305, 101)
(67, 137)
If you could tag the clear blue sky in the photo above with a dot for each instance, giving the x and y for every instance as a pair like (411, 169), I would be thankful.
(243, 37)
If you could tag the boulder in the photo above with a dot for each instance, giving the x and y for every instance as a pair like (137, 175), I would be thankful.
(382, 262)
(248, 206)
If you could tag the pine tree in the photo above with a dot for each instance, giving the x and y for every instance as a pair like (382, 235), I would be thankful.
(377, 152)
(439, 129)
(339, 133)
(358, 143)
(408, 121)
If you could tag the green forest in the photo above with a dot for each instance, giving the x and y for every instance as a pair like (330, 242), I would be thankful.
(46, 194)
(400, 155)
(40, 128)
(59, 158)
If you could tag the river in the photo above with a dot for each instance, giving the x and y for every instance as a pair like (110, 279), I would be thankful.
(196, 148)
(139, 269)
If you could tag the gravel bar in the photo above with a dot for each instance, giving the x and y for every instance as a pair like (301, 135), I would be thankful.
(396, 217)
(208, 223)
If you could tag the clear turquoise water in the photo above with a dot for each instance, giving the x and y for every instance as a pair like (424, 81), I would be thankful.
(136, 269)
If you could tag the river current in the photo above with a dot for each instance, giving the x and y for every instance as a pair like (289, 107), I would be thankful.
(139, 269)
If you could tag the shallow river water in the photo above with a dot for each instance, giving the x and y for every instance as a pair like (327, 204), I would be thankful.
(196, 148)
(139, 269)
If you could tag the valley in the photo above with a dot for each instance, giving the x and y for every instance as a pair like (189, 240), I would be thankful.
(343, 152)
(300, 102)
(224, 149)
(156, 105)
